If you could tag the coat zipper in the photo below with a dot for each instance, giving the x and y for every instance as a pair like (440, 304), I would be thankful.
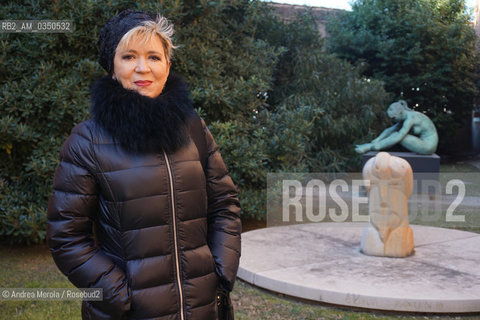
(175, 243)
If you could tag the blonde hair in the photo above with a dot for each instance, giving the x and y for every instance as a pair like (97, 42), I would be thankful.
(147, 30)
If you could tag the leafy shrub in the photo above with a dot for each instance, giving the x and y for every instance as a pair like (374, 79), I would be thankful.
(274, 100)
(424, 52)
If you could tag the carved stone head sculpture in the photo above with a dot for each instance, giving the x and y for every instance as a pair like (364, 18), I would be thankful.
(390, 181)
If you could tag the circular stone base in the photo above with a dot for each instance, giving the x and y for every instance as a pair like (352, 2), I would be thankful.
(322, 262)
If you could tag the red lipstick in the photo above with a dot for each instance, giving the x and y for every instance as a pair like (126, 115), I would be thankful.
(143, 83)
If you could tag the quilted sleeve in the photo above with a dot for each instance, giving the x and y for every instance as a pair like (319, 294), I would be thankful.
(71, 211)
(224, 224)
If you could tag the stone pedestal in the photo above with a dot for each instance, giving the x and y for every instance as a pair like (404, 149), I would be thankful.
(321, 262)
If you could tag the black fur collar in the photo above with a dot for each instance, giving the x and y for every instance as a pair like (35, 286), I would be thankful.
(140, 123)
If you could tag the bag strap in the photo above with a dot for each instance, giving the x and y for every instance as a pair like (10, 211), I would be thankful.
(198, 136)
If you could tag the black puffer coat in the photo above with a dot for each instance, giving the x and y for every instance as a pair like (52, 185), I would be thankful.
(167, 233)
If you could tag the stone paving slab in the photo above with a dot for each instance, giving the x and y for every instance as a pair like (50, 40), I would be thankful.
(322, 262)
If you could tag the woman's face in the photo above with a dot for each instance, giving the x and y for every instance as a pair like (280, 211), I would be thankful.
(143, 68)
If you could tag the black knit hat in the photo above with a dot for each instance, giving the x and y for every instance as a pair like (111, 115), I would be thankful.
(114, 30)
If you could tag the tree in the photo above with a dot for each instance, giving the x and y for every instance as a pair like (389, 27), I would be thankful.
(271, 96)
(331, 106)
(423, 50)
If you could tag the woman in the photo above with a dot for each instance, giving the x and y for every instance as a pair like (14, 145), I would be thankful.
(165, 212)
(414, 131)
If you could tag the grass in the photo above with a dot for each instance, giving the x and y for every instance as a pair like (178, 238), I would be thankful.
(33, 267)
(27, 267)
(252, 303)
(458, 166)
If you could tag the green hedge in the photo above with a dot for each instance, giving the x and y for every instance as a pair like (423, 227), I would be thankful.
(273, 99)
(426, 52)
